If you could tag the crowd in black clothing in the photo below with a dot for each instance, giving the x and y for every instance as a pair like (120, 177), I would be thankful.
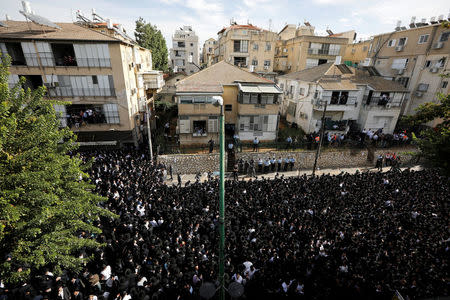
(328, 237)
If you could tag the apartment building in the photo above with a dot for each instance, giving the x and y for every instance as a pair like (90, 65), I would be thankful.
(248, 47)
(415, 57)
(106, 79)
(184, 54)
(250, 105)
(356, 54)
(208, 52)
(300, 48)
(355, 99)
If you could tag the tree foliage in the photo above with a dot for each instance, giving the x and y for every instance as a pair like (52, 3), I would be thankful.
(45, 198)
(434, 143)
(150, 37)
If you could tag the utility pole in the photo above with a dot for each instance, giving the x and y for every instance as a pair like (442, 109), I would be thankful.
(222, 206)
(149, 132)
(322, 126)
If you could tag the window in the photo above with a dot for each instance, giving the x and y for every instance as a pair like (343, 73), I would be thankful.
(212, 124)
(192, 53)
(268, 46)
(402, 41)
(423, 39)
(255, 46)
(422, 87)
(199, 128)
(185, 99)
(282, 86)
(64, 54)
(228, 107)
(301, 91)
(365, 48)
(440, 63)
(403, 81)
(111, 113)
(427, 63)
(266, 63)
(240, 46)
(94, 79)
(444, 36)
(399, 63)
(444, 84)
(254, 62)
(391, 43)
(181, 44)
(240, 61)
(192, 44)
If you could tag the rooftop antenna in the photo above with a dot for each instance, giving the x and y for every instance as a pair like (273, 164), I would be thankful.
(270, 24)
(433, 20)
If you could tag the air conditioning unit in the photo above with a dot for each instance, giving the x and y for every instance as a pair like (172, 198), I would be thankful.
(419, 94)
(399, 48)
(266, 67)
(438, 45)
(401, 71)
(434, 70)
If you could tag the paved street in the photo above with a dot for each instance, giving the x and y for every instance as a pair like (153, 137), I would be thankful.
(191, 177)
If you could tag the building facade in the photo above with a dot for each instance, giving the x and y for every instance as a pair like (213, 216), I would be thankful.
(104, 78)
(415, 57)
(208, 52)
(246, 46)
(184, 54)
(250, 105)
(299, 49)
(356, 54)
(355, 98)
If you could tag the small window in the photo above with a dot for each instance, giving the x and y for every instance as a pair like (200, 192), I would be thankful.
(427, 63)
(402, 41)
(444, 84)
(192, 44)
(266, 63)
(228, 107)
(268, 47)
(255, 46)
(254, 62)
(444, 36)
(422, 87)
(391, 43)
(94, 79)
(423, 39)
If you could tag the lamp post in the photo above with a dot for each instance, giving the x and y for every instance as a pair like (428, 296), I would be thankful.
(218, 101)
(322, 126)
(149, 132)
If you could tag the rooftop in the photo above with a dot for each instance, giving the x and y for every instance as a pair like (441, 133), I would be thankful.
(68, 31)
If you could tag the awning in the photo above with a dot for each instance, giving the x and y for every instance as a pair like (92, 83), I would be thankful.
(259, 89)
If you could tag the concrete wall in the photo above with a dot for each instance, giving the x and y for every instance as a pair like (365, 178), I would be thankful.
(194, 163)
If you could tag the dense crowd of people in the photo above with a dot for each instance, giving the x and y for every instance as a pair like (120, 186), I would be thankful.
(361, 236)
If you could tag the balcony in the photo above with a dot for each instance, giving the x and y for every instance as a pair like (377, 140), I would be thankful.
(323, 52)
(153, 80)
(336, 105)
(377, 103)
(47, 60)
(60, 91)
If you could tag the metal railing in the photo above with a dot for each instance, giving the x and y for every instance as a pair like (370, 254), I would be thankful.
(80, 92)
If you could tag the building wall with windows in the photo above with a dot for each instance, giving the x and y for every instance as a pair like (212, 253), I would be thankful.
(414, 57)
(99, 75)
(248, 47)
(208, 52)
(184, 46)
(355, 54)
(306, 50)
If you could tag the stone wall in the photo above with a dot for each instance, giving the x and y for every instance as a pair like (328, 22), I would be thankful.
(330, 158)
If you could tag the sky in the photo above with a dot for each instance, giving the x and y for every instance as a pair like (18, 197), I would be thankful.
(207, 17)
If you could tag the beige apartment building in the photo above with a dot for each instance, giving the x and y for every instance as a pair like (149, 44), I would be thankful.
(208, 52)
(184, 54)
(250, 105)
(248, 47)
(415, 57)
(356, 54)
(107, 80)
(300, 48)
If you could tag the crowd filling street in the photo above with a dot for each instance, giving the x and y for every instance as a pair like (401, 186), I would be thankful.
(363, 235)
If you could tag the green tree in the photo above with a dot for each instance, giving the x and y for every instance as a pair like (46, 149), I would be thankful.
(150, 37)
(434, 143)
(45, 198)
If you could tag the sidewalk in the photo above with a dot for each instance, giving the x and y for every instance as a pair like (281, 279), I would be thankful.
(228, 176)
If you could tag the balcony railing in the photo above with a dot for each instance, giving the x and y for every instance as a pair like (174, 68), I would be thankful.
(80, 92)
(377, 102)
(350, 100)
(47, 60)
(323, 51)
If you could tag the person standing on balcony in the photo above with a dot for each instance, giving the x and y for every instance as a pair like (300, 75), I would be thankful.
(256, 144)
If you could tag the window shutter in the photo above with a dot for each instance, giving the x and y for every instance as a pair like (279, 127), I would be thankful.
(272, 123)
(212, 124)
(185, 124)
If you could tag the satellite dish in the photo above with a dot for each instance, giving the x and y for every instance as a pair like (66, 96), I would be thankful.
(39, 20)
(207, 290)
(235, 289)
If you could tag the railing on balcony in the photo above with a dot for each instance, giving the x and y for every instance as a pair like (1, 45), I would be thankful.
(378, 102)
(48, 60)
(350, 100)
(80, 92)
(323, 51)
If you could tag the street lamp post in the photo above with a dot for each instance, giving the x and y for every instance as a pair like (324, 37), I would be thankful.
(149, 132)
(219, 102)
(322, 127)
